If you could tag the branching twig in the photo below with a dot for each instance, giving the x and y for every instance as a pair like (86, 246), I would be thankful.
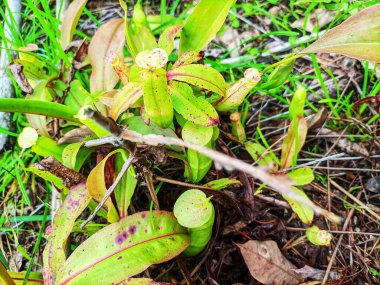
(279, 184)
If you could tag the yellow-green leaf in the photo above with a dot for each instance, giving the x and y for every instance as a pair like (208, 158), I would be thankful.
(166, 41)
(124, 249)
(200, 75)
(317, 236)
(357, 37)
(97, 189)
(301, 176)
(305, 214)
(125, 98)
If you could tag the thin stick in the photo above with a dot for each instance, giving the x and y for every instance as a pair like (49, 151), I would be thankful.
(124, 169)
(279, 184)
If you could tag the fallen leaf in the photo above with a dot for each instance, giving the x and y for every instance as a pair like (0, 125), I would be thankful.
(267, 264)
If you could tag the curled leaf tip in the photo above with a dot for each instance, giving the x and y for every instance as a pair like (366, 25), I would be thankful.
(28, 137)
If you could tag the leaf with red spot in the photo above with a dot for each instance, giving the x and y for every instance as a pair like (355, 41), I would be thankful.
(54, 254)
(124, 249)
(200, 75)
(194, 109)
(107, 42)
(166, 41)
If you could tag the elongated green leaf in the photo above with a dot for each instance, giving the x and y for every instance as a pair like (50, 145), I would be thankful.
(35, 278)
(157, 102)
(42, 108)
(199, 75)
(107, 42)
(126, 187)
(222, 183)
(305, 214)
(297, 104)
(125, 98)
(357, 37)
(203, 24)
(166, 41)
(96, 186)
(50, 177)
(293, 142)
(55, 252)
(70, 21)
(301, 176)
(124, 249)
(194, 109)
(78, 96)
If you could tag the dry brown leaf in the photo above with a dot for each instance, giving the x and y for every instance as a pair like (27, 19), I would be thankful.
(267, 264)
(107, 43)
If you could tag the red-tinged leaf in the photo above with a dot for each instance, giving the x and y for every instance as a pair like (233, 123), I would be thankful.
(107, 42)
(70, 21)
(4, 276)
(199, 75)
(96, 186)
(54, 254)
(357, 37)
(166, 41)
(194, 109)
(34, 278)
(267, 264)
(187, 58)
(303, 212)
(125, 98)
(293, 142)
(124, 249)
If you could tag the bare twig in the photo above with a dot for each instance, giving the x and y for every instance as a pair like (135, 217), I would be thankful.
(279, 184)
(124, 169)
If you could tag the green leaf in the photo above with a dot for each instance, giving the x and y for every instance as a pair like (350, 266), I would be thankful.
(317, 236)
(301, 176)
(47, 147)
(4, 276)
(73, 155)
(199, 165)
(279, 75)
(96, 186)
(141, 281)
(125, 98)
(42, 108)
(107, 42)
(166, 41)
(305, 214)
(203, 24)
(126, 187)
(196, 212)
(293, 142)
(157, 102)
(298, 102)
(194, 109)
(199, 75)
(55, 252)
(195, 134)
(70, 21)
(357, 37)
(34, 278)
(50, 177)
(78, 96)
(222, 183)
(256, 151)
(124, 249)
